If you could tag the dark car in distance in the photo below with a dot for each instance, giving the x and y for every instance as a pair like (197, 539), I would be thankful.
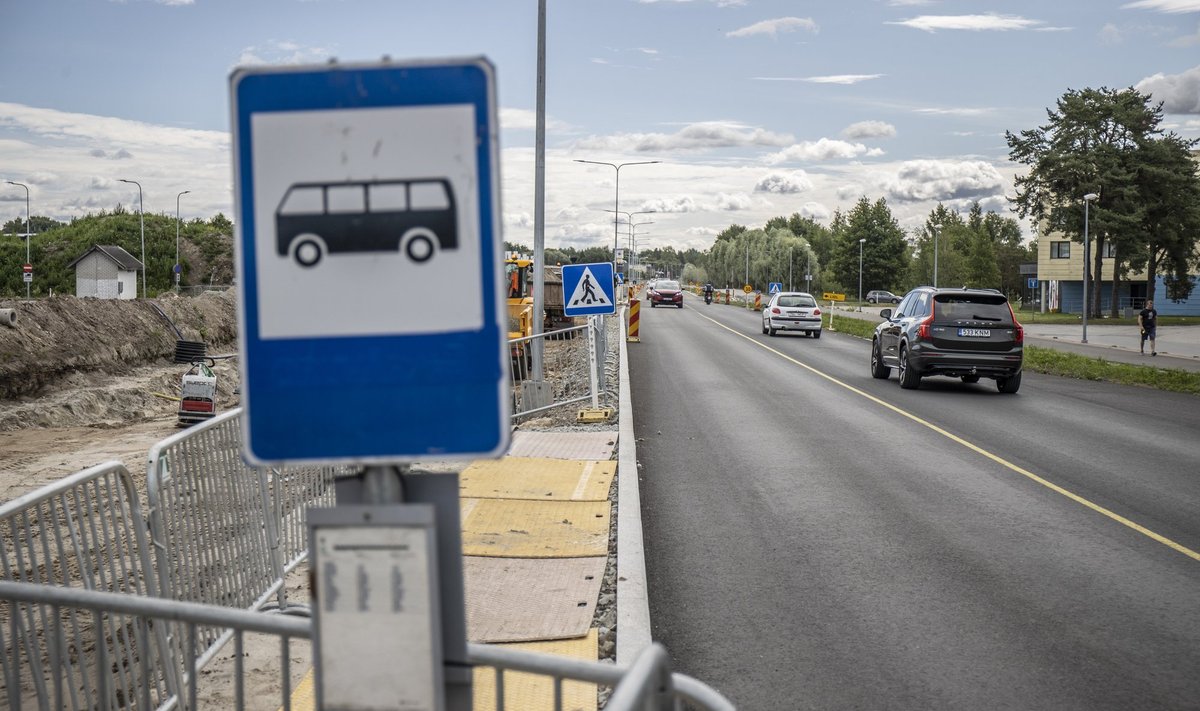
(666, 292)
(957, 333)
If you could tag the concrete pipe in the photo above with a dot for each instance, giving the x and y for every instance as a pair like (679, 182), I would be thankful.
(8, 317)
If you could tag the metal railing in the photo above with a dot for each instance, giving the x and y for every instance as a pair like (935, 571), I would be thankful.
(646, 685)
(570, 374)
(225, 533)
(83, 533)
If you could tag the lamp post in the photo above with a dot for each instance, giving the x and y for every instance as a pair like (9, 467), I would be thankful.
(629, 222)
(861, 242)
(142, 223)
(616, 190)
(177, 269)
(1086, 244)
(28, 234)
(937, 230)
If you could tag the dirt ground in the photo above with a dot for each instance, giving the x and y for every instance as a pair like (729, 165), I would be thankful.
(85, 381)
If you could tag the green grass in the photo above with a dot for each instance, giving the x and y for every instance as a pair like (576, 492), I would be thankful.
(1071, 365)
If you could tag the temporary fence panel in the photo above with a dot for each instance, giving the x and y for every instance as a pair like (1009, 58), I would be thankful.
(565, 369)
(84, 532)
(225, 533)
(646, 685)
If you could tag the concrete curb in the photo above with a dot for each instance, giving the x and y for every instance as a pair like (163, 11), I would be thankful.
(633, 600)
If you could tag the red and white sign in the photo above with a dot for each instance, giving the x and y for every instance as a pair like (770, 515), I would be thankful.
(28, 269)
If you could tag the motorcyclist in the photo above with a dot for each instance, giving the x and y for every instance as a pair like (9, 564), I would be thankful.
(708, 293)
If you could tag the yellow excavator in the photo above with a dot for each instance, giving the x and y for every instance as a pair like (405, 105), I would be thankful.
(518, 276)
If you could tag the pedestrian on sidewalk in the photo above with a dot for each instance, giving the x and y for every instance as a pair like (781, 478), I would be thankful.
(1148, 322)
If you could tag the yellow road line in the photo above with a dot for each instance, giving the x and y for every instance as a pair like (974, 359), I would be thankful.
(977, 449)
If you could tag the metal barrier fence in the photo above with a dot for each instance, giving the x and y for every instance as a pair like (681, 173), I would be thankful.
(85, 532)
(648, 684)
(225, 533)
(570, 375)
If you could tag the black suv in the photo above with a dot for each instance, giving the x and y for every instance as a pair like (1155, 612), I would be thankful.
(959, 333)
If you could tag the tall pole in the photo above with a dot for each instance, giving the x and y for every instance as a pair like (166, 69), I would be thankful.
(539, 198)
(177, 269)
(937, 229)
(142, 223)
(616, 192)
(1086, 248)
(28, 234)
(861, 242)
(791, 284)
(808, 275)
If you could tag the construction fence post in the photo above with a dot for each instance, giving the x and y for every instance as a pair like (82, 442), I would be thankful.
(634, 317)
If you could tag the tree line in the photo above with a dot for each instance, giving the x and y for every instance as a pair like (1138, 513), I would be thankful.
(206, 250)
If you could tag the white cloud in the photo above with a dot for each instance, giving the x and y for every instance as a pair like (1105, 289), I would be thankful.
(1110, 34)
(869, 129)
(775, 27)
(1168, 6)
(694, 137)
(815, 211)
(66, 155)
(821, 150)
(975, 23)
(842, 78)
(283, 52)
(784, 183)
(943, 180)
(732, 202)
(1186, 40)
(683, 203)
(526, 120)
(1180, 93)
(962, 111)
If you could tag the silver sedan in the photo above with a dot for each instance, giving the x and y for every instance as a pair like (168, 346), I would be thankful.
(792, 311)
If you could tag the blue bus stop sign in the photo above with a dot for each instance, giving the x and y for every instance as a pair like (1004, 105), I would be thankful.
(364, 195)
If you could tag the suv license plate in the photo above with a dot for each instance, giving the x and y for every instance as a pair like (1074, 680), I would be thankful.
(975, 332)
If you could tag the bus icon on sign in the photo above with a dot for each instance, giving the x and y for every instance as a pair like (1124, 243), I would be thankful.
(414, 216)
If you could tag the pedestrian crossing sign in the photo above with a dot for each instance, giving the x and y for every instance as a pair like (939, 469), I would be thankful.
(589, 289)
(775, 287)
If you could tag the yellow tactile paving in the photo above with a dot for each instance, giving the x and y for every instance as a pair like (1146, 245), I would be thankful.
(530, 692)
(537, 478)
(304, 696)
(511, 528)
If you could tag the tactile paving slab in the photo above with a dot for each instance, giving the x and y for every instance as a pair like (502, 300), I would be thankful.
(513, 528)
(537, 478)
(564, 445)
(530, 599)
(534, 692)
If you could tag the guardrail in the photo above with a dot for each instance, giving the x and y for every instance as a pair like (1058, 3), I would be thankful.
(646, 685)
(570, 374)
(225, 533)
(84, 533)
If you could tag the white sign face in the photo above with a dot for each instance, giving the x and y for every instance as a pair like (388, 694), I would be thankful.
(369, 229)
(376, 618)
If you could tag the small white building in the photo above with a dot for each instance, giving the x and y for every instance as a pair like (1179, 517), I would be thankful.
(106, 272)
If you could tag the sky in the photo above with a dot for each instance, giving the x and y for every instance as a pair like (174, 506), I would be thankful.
(754, 108)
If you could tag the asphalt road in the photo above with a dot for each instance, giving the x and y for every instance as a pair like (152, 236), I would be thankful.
(816, 538)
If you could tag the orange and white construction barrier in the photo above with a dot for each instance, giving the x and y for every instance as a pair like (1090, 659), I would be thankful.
(635, 311)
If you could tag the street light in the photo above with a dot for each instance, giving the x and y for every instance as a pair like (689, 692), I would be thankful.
(28, 235)
(629, 221)
(1086, 243)
(142, 222)
(616, 191)
(937, 230)
(861, 242)
(177, 269)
